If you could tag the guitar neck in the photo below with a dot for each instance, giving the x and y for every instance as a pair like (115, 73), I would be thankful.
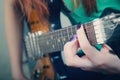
(97, 32)
(54, 41)
(39, 45)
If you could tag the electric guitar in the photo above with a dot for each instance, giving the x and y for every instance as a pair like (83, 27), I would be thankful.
(39, 43)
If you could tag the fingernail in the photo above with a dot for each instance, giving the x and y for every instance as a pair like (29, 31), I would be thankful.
(79, 25)
(103, 46)
(73, 37)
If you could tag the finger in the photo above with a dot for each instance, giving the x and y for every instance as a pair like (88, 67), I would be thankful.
(73, 37)
(81, 62)
(71, 59)
(106, 49)
(71, 46)
(70, 49)
(89, 50)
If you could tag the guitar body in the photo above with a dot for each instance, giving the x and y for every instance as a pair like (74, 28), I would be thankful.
(43, 69)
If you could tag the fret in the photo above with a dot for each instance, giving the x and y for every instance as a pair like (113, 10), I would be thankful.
(64, 35)
(41, 39)
(44, 38)
(38, 42)
(58, 40)
(73, 29)
(45, 47)
(89, 28)
(86, 29)
(76, 28)
(51, 42)
(54, 45)
(61, 37)
(45, 42)
(48, 43)
(70, 32)
(68, 35)
(55, 40)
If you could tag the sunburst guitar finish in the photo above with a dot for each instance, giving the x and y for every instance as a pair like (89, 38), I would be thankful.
(43, 69)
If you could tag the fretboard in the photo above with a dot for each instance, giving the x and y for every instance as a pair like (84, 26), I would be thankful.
(54, 41)
(37, 45)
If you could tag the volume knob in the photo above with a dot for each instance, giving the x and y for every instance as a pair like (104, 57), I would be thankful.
(37, 74)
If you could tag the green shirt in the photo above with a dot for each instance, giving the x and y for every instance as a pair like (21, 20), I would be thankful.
(78, 14)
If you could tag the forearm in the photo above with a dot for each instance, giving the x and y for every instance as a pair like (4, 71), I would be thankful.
(14, 37)
(15, 51)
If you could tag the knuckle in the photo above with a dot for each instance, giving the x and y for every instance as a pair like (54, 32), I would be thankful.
(66, 45)
(99, 63)
(86, 69)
